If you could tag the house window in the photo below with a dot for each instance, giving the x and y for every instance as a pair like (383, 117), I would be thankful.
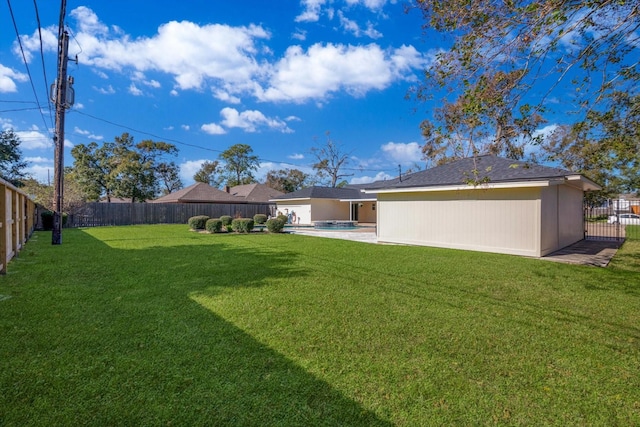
(373, 206)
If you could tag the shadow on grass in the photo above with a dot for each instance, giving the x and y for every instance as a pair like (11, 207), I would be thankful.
(115, 339)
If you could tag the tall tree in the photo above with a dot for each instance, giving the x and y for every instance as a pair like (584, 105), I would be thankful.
(209, 173)
(12, 164)
(93, 167)
(42, 194)
(507, 62)
(287, 180)
(330, 162)
(122, 168)
(168, 177)
(239, 164)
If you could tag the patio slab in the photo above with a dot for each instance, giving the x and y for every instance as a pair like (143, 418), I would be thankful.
(587, 252)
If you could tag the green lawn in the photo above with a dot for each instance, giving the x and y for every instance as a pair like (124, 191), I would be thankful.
(156, 325)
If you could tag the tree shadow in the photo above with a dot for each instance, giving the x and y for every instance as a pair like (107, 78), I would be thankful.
(125, 344)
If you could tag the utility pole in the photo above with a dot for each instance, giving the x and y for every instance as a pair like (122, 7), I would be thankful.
(60, 100)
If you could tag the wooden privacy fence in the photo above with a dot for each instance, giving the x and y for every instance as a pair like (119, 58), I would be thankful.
(99, 214)
(17, 222)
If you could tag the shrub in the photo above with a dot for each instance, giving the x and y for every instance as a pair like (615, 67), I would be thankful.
(47, 220)
(229, 228)
(283, 218)
(242, 225)
(259, 218)
(226, 220)
(213, 225)
(198, 222)
(275, 225)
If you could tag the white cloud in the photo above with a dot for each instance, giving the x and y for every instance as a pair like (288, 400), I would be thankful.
(311, 12)
(352, 27)
(41, 172)
(198, 53)
(213, 129)
(296, 156)
(380, 176)
(185, 127)
(251, 120)
(188, 169)
(133, 90)
(403, 153)
(34, 139)
(325, 69)
(8, 79)
(109, 90)
(87, 133)
(31, 43)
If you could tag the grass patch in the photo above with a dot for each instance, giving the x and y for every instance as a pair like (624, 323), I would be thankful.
(150, 325)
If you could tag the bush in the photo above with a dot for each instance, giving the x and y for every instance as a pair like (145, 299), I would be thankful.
(275, 225)
(283, 218)
(259, 218)
(47, 220)
(198, 222)
(229, 228)
(226, 220)
(242, 225)
(213, 225)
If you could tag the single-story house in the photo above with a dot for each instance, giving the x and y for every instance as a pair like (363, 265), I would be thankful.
(312, 204)
(199, 192)
(486, 203)
(254, 193)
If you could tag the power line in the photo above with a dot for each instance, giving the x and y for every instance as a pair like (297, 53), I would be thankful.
(26, 64)
(186, 144)
(44, 71)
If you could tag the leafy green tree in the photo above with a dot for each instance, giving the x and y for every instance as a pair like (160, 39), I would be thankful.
(239, 165)
(93, 166)
(12, 164)
(124, 169)
(506, 61)
(168, 177)
(330, 161)
(209, 173)
(42, 194)
(287, 180)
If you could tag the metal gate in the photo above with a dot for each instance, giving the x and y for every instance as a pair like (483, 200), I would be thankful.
(616, 219)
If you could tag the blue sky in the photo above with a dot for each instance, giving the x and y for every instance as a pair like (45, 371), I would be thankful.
(206, 75)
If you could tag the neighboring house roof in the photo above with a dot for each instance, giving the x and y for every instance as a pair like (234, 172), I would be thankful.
(199, 192)
(115, 200)
(256, 193)
(484, 170)
(342, 193)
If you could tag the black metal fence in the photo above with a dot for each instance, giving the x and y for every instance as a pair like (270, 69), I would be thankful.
(614, 220)
(100, 214)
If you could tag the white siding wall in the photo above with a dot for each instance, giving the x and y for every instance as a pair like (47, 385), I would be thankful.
(501, 220)
(302, 210)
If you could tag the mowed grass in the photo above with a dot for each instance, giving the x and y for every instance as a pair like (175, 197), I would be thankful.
(156, 325)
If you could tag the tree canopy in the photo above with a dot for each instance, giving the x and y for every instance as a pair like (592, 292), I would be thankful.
(287, 180)
(12, 164)
(330, 162)
(209, 173)
(239, 165)
(508, 66)
(124, 169)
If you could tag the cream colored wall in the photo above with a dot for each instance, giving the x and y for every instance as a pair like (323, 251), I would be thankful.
(302, 210)
(366, 213)
(562, 216)
(497, 220)
(325, 209)
(570, 222)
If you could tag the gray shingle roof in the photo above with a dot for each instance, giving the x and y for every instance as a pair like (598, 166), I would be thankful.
(324, 193)
(257, 193)
(199, 192)
(489, 168)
